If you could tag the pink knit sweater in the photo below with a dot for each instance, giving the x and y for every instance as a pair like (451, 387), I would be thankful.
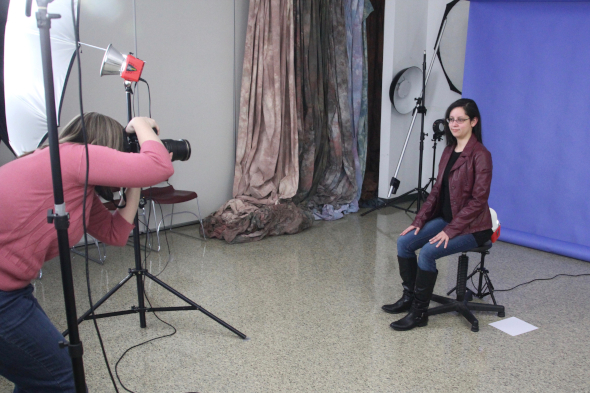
(26, 193)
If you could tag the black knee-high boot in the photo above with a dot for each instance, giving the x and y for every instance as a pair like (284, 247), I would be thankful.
(407, 271)
(418, 315)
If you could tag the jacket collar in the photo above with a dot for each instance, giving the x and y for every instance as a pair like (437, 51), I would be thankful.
(467, 152)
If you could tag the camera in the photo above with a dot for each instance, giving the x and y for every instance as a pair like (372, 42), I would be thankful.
(180, 148)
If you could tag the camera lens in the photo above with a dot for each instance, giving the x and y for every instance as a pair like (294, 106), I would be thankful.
(180, 149)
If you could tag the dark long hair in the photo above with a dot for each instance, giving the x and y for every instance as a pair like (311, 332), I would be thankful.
(472, 111)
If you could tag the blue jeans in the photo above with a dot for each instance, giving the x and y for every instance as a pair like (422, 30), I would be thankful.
(409, 243)
(29, 352)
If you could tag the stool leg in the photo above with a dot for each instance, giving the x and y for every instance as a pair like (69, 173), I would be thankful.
(462, 267)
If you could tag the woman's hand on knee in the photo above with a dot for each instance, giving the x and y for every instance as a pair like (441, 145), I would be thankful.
(441, 237)
(410, 228)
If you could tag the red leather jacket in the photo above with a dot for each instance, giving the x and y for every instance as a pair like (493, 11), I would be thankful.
(469, 188)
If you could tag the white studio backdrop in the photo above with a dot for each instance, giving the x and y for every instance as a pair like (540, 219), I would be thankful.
(26, 117)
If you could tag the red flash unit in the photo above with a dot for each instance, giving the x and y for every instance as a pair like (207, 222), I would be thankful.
(127, 66)
(131, 70)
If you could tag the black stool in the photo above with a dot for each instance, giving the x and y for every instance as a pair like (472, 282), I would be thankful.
(462, 304)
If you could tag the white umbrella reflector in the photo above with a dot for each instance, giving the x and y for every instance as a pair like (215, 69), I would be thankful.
(26, 118)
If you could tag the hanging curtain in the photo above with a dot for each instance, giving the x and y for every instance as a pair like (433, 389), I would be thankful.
(374, 30)
(363, 133)
(302, 134)
(267, 164)
(331, 64)
(356, 13)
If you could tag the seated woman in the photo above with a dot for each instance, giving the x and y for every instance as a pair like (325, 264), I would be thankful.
(29, 353)
(455, 217)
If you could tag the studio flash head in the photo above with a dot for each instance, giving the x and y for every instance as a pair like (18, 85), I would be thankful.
(439, 129)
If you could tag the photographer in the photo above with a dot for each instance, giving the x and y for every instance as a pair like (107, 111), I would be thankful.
(29, 352)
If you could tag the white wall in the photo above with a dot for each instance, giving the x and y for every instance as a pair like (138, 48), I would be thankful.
(193, 52)
(411, 26)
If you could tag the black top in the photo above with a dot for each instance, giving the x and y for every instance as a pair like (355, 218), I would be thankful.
(446, 212)
(445, 197)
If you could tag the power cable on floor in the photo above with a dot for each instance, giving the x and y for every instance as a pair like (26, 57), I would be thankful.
(142, 343)
(486, 288)
(542, 279)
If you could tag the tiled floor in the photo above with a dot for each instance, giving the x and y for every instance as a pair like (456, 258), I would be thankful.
(310, 306)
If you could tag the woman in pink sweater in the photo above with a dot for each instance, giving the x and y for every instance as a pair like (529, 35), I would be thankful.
(29, 354)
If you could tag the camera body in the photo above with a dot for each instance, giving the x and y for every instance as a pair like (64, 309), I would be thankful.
(180, 149)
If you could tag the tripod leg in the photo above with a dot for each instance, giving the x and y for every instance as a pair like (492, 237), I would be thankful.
(101, 301)
(480, 286)
(490, 288)
(369, 211)
(181, 296)
(411, 204)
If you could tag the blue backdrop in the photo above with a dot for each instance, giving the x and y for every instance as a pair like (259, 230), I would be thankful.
(527, 65)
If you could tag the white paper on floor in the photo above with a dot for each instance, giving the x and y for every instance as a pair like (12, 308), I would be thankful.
(513, 326)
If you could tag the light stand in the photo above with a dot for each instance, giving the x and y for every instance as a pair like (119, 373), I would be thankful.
(436, 137)
(140, 273)
(58, 216)
(420, 192)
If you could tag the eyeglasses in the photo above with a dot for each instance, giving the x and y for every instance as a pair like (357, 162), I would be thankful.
(458, 121)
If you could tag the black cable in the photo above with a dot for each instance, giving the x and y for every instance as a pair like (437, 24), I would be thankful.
(76, 22)
(474, 270)
(542, 279)
(149, 96)
(167, 244)
(132, 92)
(486, 287)
(147, 232)
(142, 343)
(146, 253)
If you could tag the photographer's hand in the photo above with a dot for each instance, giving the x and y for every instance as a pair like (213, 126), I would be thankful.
(132, 202)
(143, 128)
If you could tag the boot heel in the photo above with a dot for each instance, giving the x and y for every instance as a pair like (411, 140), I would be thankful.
(423, 322)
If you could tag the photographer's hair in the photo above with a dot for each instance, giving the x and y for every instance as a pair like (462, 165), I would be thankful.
(101, 130)
(472, 111)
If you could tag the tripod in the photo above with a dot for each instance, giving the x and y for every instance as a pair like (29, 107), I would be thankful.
(141, 273)
(58, 216)
(436, 137)
(420, 193)
(483, 275)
